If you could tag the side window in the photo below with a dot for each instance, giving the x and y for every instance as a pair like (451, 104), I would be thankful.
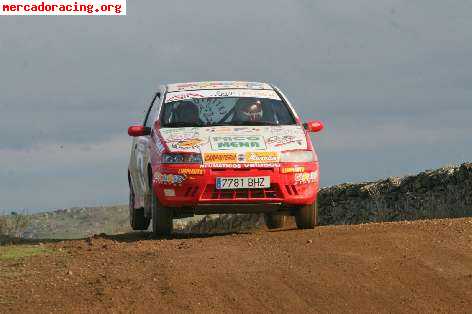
(152, 110)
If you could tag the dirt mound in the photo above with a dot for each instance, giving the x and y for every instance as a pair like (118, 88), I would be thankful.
(422, 266)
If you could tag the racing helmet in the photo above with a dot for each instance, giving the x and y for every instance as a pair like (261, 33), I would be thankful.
(187, 111)
(252, 110)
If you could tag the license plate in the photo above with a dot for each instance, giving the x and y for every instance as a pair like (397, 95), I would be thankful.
(228, 183)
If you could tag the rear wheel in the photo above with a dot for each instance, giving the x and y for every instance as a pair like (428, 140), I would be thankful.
(137, 219)
(307, 216)
(274, 221)
(161, 217)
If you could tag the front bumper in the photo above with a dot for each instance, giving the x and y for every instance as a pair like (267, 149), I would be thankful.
(186, 186)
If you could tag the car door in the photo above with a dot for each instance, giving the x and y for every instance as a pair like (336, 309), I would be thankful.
(140, 159)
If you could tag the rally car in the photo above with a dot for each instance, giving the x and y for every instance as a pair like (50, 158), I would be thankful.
(222, 147)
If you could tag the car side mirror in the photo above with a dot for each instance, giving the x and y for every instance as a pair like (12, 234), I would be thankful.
(139, 130)
(313, 126)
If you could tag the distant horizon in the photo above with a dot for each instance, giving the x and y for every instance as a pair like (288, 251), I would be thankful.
(45, 210)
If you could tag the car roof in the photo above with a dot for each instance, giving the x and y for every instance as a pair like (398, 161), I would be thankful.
(179, 87)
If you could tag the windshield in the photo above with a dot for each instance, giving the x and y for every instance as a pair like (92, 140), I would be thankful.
(214, 111)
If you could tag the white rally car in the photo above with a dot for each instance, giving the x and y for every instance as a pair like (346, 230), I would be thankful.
(222, 147)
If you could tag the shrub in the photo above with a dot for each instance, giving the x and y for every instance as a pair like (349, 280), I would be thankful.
(3, 225)
(13, 225)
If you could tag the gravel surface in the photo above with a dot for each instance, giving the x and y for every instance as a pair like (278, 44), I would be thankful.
(421, 266)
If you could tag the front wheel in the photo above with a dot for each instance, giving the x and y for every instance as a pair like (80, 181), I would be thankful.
(275, 221)
(307, 216)
(137, 219)
(161, 217)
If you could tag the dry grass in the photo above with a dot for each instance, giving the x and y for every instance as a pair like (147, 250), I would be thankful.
(21, 251)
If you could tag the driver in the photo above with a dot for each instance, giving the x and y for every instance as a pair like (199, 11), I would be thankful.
(251, 110)
(187, 112)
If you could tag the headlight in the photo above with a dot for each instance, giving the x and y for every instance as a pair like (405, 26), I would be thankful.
(297, 156)
(181, 159)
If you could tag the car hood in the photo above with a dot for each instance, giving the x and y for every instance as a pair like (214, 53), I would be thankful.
(264, 140)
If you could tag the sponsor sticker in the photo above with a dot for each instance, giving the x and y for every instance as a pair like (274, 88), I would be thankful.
(237, 142)
(222, 165)
(188, 144)
(192, 171)
(219, 158)
(306, 177)
(262, 157)
(279, 141)
(172, 179)
(159, 146)
(183, 96)
(198, 94)
(293, 170)
(240, 166)
(217, 85)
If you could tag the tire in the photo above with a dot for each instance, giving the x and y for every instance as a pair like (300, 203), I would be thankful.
(161, 218)
(275, 221)
(307, 216)
(137, 219)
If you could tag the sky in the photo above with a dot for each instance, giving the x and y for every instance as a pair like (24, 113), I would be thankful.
(391, 80)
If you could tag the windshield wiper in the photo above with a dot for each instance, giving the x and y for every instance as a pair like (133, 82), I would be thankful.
(220, 124)
(236, 123)
(254, 123)
(182, 124)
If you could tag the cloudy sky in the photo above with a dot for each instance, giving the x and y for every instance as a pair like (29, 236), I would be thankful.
(391, 79)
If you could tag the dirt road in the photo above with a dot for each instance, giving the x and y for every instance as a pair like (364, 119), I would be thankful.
(423, 266)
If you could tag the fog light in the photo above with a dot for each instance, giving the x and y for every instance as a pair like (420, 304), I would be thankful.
(169, 192)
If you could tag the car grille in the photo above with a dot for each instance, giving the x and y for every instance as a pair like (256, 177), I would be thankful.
(211, 193)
